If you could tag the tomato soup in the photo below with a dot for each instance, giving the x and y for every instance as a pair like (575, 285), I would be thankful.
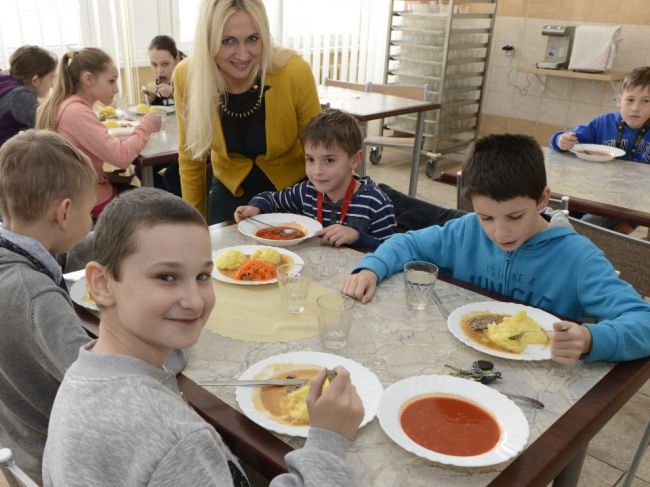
(275, 233)
(449, 425)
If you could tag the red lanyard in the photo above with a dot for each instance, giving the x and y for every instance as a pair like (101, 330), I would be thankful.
(344, 207)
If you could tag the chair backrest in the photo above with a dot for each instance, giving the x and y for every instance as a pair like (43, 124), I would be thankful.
(561, 203)
(628, 255)
(12, 472)
(411, 92)
(346, 84)
(462, 203)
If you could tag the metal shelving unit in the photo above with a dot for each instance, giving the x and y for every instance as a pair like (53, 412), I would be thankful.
(445, 46)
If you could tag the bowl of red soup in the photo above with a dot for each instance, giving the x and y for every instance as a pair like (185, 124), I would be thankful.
(453, 421)
(268, 229)
(596, 152)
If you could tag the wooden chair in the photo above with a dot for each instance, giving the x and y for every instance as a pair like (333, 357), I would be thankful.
(13, 473)
(629, 256)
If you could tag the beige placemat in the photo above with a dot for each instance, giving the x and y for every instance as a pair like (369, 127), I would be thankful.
(255, 313)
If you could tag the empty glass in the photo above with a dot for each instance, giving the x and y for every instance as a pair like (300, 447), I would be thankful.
(334, 316)
(294, 282)
(419, 279)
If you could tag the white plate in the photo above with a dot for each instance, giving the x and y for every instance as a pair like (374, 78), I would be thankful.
(77, 293)
(511, 420)
(365, 381)
(162, 108)
(613, 151)
(249, 227)
(531, 352)
(248, 250)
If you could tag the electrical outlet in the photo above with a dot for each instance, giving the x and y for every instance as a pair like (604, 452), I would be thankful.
(508, 50)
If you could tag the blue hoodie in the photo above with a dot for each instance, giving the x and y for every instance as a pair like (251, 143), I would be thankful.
(17, 107)
(603, 129)
(557, 270)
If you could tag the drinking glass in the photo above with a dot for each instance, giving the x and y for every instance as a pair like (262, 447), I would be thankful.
(334, 316)
(294, 282)
(419, 279)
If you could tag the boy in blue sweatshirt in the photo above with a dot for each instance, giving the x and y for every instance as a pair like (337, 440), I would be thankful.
(352, 210)
(626, 129)
(508, 247)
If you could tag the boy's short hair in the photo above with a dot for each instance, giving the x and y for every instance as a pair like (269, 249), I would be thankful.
(130, 211)
(334, 127)
(503, 167)
(637, 77)
(38, 167)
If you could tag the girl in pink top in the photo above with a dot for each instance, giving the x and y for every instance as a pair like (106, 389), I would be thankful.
(85, 77)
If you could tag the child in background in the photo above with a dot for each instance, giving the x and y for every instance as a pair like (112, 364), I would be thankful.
(353, 210)
(508, 247)
(85, 77)
(47, 188)
(31, 71)
(151, 279)
(626, 129)
(163, 58)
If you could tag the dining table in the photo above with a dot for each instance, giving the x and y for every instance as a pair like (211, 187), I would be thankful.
(397, 343)
(615, 189)
(162, 146)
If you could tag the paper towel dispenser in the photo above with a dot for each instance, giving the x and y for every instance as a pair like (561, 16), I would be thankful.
(558, 46)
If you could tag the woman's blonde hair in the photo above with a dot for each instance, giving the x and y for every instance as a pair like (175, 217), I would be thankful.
(71, 66)
(205, 82)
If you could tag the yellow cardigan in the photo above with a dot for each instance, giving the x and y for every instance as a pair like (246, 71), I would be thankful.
(290, 102)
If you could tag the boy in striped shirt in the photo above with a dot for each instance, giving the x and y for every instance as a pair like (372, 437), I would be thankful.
(352, 209)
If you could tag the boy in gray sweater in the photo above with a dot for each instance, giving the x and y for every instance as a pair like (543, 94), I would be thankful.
(119, 418)
(47, 188)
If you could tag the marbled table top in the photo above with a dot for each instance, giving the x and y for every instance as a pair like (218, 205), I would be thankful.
(396, 343)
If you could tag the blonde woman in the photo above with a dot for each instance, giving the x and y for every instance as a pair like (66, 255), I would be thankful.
(243, 101)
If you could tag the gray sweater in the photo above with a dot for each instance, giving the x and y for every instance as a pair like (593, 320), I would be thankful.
(118, 420)
(40, 337)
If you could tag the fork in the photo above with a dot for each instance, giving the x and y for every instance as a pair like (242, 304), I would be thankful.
(519, 335)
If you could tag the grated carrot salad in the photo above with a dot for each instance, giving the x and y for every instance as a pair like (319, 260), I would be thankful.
(255, 270)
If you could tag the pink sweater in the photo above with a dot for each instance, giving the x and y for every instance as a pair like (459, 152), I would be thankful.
(78, 123)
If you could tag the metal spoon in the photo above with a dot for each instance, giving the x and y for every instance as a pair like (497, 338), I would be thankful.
(285, 231)
(519, 335)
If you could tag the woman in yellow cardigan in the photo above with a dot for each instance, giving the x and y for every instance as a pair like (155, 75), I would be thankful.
(243, 101)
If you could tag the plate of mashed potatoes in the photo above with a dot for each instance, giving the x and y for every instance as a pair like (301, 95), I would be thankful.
(284, 409)
(487, 327)
(251, 265)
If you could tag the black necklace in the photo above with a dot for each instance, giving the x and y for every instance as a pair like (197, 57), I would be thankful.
(246, 111)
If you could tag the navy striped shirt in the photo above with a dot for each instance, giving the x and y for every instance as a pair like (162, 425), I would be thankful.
(371, 212)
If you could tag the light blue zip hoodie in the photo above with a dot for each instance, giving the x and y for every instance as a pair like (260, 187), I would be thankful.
(557, 270)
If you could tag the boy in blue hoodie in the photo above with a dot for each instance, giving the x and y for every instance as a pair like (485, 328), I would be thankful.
(508, 247)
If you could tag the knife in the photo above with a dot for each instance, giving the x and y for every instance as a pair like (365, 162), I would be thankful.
(441, 307)
(254, 382)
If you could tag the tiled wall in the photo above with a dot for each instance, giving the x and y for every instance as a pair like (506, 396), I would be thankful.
(518, 101)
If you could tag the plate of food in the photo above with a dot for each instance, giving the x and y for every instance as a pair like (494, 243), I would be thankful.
(596, 152)
(143, 109)
(251, 265)
(108, 112)
(284, 410)
(120, 127)
(80, 294)
(453, 421)
(273, 235)
(489, 327)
